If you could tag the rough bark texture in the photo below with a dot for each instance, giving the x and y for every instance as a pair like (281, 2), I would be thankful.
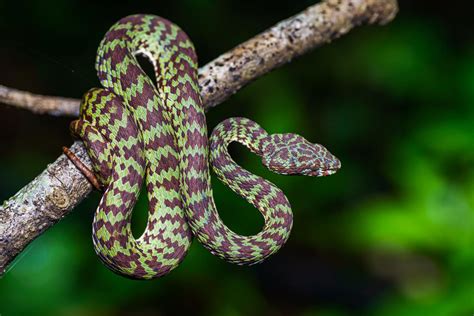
(40, 204)
(56, 191)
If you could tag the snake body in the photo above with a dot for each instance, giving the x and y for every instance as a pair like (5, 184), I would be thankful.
(135, 130)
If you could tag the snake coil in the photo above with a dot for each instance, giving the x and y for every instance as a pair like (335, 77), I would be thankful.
(135, 131)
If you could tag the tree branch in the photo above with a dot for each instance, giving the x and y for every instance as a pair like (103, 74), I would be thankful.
(58, 189)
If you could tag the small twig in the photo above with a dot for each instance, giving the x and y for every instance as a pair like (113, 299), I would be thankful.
(37, 103)
(58, 189)
(86, 171)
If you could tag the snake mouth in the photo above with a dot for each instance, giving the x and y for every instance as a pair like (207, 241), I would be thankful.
(329, 172)
(319, 173)
(322, 172)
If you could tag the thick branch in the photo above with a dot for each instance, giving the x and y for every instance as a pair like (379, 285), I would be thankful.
(58, 189)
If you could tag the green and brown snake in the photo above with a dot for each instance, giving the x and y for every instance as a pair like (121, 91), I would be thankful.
(137, 131)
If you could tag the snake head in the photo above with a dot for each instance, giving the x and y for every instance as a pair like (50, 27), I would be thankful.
(292, 154)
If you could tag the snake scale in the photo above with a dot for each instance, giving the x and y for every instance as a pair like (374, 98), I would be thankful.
(136, 130)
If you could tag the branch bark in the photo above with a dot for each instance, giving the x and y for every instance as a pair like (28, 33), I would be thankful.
(58, 189)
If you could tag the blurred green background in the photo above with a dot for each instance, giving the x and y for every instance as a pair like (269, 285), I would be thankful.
(391, 234)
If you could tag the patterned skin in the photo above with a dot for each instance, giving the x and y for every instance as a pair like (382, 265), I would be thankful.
(134, 130)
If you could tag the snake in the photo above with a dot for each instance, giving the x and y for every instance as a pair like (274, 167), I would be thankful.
(139, 131)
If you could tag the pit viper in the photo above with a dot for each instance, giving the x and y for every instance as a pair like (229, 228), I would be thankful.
(136, 130)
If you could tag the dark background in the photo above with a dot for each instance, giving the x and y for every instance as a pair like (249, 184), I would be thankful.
(391, 234)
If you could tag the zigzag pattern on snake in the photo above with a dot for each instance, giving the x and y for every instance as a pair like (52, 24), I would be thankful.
(134, 130)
